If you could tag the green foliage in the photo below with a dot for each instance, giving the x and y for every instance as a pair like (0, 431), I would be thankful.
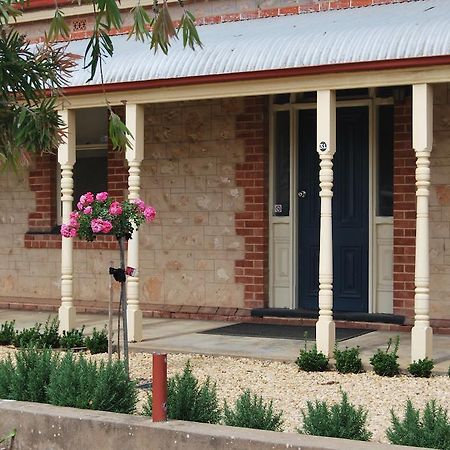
(85, 384)
(312, 360)
(33, 124)
(37, 336)
(187, 399)
(432, 430)
(348, 360)
(50, 335)
(119, 134)
(7, 333)
(114, 391)
(98, 342)
(41, 376)
(72, 339)
(6, 375)
(341, 420)
(73, 383)
(250, 411)
(28, 336)
(421, 368)
(385, 363)
(28, 378)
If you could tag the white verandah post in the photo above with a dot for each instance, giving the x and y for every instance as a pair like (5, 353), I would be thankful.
(135, 154)
(422, 129)
(326, 146)
(66, 158)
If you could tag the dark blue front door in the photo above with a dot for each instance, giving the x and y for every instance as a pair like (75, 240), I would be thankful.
(350, 210)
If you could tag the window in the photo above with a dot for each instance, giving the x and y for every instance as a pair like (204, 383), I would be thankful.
(281, 164)
(385, 162)
(90, 172)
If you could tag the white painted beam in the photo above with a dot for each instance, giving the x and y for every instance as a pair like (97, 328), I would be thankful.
(279, 85)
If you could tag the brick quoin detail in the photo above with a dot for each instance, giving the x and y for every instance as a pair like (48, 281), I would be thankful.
(252, 224)
(404, 211)
(42, 181)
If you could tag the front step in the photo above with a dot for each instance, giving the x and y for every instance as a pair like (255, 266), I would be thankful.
(301, 313)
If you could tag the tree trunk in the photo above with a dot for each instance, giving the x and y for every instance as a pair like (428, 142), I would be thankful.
(123, 302)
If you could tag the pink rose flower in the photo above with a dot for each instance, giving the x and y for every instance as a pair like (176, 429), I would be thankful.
(96, 225)
(149, 213)
(107, 226)
(88, 210)
(89, 197)
(80, 206)
(65, 230)
(139, 203)
(68, 231)
(101, 196)
(74, 223)
(115, 209)
(74, 215)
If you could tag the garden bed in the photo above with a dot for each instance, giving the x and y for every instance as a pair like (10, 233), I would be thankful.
(291, 389)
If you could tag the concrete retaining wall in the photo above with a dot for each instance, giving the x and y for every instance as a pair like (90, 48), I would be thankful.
(47, 427)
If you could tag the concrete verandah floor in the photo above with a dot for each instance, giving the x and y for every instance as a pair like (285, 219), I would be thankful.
(182, 336)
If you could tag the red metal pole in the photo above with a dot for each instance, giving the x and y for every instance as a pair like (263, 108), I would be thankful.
(159, 387)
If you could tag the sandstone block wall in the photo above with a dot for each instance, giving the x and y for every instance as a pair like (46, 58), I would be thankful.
(192, 151)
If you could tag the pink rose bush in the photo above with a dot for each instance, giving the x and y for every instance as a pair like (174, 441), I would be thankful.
(101, 215)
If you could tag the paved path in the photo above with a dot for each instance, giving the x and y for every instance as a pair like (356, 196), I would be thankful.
(182, 336)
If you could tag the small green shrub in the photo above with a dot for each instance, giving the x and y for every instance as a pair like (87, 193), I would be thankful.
(385, 363)
(6, 375)
(187, 399)
(50, 336)
(28, 337)
(250, 411)
(342, 420)
(73, 383)
(28, 378)
(85, 384)
(432, 430)
(7, 333)
(72, 339)
(114, 391)
(421, 368)
(348, 360)
(98, 342)
(312, 360)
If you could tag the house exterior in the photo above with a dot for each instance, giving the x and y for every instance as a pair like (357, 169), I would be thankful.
(300, 160)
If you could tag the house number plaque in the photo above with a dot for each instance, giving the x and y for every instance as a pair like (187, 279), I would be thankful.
(323, 146)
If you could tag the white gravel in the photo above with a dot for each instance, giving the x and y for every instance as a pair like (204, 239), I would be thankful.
(291, 389)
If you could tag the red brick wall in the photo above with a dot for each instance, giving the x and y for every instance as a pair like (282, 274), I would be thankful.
(404, 210)
(252, 224)
(42, 181)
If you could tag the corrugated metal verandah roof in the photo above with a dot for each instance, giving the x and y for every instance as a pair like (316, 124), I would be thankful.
(378, 33)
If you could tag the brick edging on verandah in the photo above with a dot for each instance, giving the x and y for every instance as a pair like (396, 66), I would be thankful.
(440, 326)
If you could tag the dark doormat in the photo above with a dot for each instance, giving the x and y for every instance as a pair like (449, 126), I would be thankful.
(282, 331)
